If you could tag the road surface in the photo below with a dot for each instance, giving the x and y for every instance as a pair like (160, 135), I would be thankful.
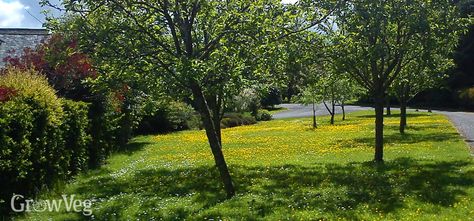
(298, 110)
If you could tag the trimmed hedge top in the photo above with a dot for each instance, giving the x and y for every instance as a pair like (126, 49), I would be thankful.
(29, 85)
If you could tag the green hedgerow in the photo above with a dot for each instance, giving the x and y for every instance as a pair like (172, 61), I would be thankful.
(75, 128)
(28, 84)
(43, 139)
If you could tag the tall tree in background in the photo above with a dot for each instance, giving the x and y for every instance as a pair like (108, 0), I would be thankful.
(377, 39)
(463, 75)
(300, 52)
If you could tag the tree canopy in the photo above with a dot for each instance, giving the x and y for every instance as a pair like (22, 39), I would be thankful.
(376, 40)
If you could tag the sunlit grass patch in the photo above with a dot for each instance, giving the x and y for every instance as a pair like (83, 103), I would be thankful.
(284, 169)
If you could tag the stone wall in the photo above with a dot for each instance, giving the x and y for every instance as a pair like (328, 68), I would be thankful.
(18, 39)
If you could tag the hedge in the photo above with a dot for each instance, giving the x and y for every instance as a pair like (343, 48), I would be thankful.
(76, 135)
(161, 117)
(236, 119)
(45, 139)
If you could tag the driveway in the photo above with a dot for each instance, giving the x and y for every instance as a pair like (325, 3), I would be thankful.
(463, 121)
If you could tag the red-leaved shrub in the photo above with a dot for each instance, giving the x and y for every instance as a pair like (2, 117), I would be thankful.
(6, 93)
(61, 61)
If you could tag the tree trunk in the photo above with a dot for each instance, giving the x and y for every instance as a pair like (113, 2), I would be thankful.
(289, 93)
(329, 111)
(403, 116)
(314, 117)
(379, 109)
(333, 112)
(217, 125)
(216, 105)
(389, 110)
(212, 136)
(343, 111)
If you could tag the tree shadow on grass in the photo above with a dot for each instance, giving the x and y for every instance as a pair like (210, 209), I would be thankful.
(132, 147)
(407, 138)
(332, 188)
(415, 127)
(409, 115)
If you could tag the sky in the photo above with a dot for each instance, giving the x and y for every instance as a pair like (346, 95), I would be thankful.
(27, 13)
(14, 13)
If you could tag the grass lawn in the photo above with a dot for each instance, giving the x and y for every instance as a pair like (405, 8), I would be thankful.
(283, 169)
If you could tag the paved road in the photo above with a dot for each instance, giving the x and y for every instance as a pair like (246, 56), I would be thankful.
(298, 110)
(463, 121)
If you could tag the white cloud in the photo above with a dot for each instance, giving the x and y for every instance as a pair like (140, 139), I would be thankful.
(11, 13)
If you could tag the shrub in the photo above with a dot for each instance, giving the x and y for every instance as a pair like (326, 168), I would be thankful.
(27, 84)
(43, 138)
(264, 115)
(236, 119)
(31, 138)
(34, 90)
(182, 116)
(104, 129)
(16, 127)
(271, 98)
(161, 117)
(75, 128)
(60, 60)
(466, 97)
(247, 100)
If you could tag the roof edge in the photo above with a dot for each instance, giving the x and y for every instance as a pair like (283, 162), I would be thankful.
(24, 31)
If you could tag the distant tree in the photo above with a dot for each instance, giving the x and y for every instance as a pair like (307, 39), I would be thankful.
(328, 87)
(376, 40)
(311, 96)
(424, 72)
(299, 54)
(346, 90)
(463, 75)
(336, 90)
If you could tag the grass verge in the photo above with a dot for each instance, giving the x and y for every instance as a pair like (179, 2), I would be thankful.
(283, 169)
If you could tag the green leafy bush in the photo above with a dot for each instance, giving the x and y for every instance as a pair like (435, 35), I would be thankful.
(31, 138)
(161, 117)
(236, 119)
(75, 128)
(104, 129)
(16, 127)
(247, 100)
(271, 98)
(264, 115)
(43, 139)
